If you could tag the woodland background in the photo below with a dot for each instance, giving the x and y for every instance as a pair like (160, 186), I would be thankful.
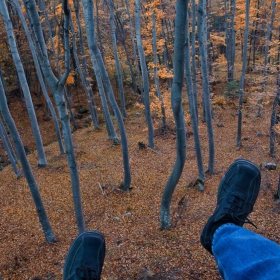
(239, 79)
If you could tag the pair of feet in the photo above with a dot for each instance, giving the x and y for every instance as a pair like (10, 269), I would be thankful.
(237, 194)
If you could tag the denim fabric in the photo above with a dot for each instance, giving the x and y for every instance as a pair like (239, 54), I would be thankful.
(241, 254)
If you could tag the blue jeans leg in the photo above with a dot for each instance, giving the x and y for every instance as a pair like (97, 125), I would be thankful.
(242, 254)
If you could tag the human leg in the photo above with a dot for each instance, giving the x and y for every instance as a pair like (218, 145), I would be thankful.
(85, 258)
(237, 194)
(242, 254)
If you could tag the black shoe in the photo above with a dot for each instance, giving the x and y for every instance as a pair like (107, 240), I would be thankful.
(237, 195)
(85, 257)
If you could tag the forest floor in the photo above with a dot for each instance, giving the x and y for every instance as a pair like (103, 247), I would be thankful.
(136, 247)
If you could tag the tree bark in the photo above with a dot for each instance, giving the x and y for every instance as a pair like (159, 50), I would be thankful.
(7, 147)
(158, 92)
(205, 81)
(49, 235)
(40, 77)
(230, 7)
(116, 56)
(178, 112)
(193, 111)
(96, 55)
(242, 76)
(42, 161)
(57, 88)
(268, 39)
(273, 120)
(134, 48)
(144, 75)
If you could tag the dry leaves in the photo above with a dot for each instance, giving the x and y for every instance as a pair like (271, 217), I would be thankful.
(136, 247)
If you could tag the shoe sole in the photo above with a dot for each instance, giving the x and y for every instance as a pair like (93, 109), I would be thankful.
(75, 245)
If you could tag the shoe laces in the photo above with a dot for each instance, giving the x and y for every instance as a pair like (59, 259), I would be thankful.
(86, 273)
(239, 210)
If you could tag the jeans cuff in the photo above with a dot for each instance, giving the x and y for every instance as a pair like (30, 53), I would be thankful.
(219, 228)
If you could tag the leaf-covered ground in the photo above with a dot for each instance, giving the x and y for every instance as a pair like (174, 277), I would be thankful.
(136, 247)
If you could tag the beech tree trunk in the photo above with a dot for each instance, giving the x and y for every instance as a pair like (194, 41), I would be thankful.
(202, 33)
(49, 235)
(57, 88)
(134, 48)
(108, 121)
(242, 76)
(194, 58)
(273, 120)
(144, 75)
(267, 43)
(56, 57)
(40, 77)
(116, 56)
(7, 147)
(158, 92)
(121, 32)
(100, 67)
(85, 83)
(42, 161)
(178, 112)
(193, 110)
(230, 37)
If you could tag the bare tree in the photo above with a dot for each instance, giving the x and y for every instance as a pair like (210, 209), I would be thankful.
(99, 68)
(193, 109)
(158, 91)
(9, 150)
(49, 235)
(273, 119)
(178, 112)
(42, 161)
(39, 75)
(57, 87)
(242, 76)
(230, 7)
(133, 46)
(202, 42)
(144, 74)
(116, 56)
(267, 43)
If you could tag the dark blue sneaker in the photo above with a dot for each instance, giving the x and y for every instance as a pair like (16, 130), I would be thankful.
(237, 194)
(85, 257)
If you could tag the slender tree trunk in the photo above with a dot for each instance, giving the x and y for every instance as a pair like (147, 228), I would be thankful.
(158, 92)
(194, 118)
(84, 64)
(57, 88)
(230, 37)
(268, 39)
(242, 76)
(273, 120)
(116, 56)
(40, 77)
(96, 55)
(8, 149)
(56, 56)
(144, 75)
(121, 33)
(42, 161)
(86, 86)
(98, 29)
(205, 81)
(49, 235)
(108, 121)
(178, 112)
(194, 88)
